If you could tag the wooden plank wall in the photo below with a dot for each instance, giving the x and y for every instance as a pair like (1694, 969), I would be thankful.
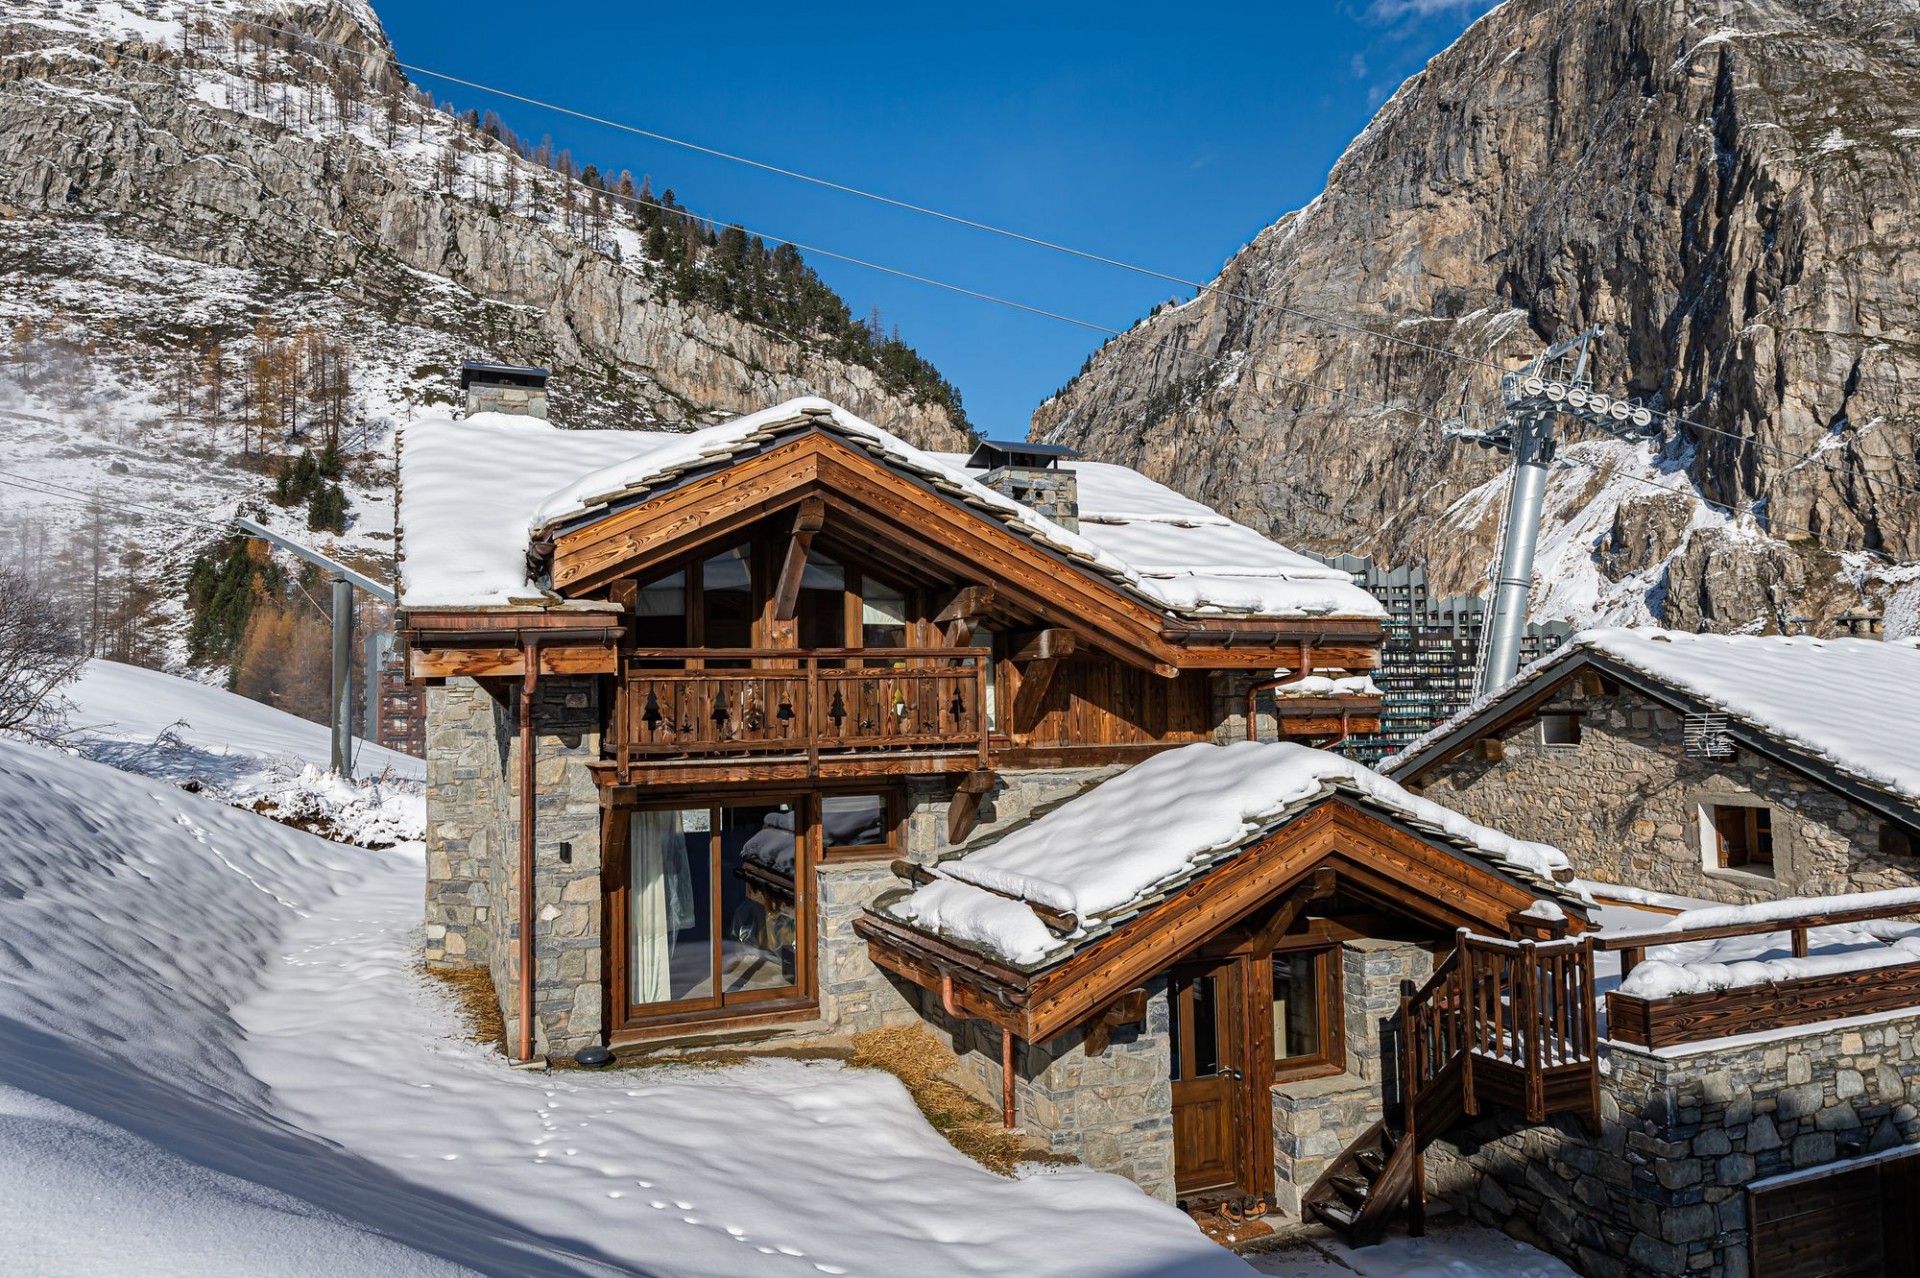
(1097, 701)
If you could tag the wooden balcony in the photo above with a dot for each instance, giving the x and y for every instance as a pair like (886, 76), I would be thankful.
(769, 714)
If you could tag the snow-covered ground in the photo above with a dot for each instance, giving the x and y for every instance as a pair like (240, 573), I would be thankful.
(1451, 1250)
(242, 752)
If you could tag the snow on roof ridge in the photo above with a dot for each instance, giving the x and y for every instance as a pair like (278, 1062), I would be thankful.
(631, 464)
(1109, 848)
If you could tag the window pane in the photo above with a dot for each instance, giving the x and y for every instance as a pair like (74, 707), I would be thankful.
(757, 905)
(822, 610)
(671, 901)
(660, 613)
(1296, 1005)
(1206, 1028)
(728, 587)
(883, 615)
(854, 820)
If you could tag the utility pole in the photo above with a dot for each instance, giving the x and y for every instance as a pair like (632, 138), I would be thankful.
(1553, 384)
(345, 582)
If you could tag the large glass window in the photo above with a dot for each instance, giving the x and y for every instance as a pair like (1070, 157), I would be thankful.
(822, 611)
(660, 613)
(883, 615)
(726, 589)
(855, 821)
(714, 906)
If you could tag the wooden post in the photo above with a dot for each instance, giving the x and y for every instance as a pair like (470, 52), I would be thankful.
(1528, 1023)
(1631, 957)
(1006, 1078)
(1409, 1087)
(1799, 942)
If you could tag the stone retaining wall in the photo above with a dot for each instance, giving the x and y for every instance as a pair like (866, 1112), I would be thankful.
(1625, 805)
(1662, 1190)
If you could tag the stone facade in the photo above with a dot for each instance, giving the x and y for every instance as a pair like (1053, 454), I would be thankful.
(1314, 1120)
(473, 850)
(1626, 804)
(1662, 1190)
(487, 397)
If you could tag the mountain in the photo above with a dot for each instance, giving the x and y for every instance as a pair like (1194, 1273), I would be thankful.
(231, 232)
(1730, 187)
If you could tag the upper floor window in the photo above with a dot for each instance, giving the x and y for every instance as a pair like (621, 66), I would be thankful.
(1742, 837)
(1897, 840)
(1560, 728)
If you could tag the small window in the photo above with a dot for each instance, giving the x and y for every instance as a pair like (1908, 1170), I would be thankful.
(660, 613)
(1560, 729)
(856, 825)
(1898, 840)
(1743, 838)
(883, 615)
(1307, 1038)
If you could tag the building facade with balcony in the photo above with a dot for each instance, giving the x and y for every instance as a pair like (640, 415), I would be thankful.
(693, 698)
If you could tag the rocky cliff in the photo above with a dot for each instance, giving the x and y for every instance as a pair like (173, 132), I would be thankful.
(173, 133)
(1730, 187)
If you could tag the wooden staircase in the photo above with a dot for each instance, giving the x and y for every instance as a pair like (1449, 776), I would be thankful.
(1499, 1023)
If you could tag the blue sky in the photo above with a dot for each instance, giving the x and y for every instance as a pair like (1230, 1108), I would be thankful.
(1163, 134)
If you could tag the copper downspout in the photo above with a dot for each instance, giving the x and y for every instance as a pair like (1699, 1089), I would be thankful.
(1300, 671)
(1006, 1049)
(530, 679)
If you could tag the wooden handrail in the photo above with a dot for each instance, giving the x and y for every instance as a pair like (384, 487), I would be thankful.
(799, 656)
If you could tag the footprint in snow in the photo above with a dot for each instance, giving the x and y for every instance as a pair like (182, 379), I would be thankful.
(683, 1206)
(828, 1269)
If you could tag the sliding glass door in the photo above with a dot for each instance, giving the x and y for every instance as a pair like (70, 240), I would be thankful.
(716, 902)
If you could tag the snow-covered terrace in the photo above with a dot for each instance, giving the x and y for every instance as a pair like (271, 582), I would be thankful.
(475, 491)
(1108, 855)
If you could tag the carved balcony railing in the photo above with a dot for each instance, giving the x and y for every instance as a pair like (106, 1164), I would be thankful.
(687, 703)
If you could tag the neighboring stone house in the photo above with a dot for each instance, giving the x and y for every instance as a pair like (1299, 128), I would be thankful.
(1732, 768)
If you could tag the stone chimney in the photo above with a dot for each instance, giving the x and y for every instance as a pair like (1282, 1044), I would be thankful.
(1859, 625)
(1032, 475)
(504, 388)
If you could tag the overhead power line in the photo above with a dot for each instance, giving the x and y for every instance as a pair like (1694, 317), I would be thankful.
(1344, 325)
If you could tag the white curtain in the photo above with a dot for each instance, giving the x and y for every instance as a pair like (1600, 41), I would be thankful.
(662, 902)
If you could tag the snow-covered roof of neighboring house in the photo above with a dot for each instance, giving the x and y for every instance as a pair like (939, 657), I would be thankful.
(475, 491)
(1847, 705)
(1105, 855)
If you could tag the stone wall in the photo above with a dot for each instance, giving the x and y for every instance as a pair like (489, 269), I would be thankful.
(1625, 806)
(1662, 1190)
(527, 401)
(473, 850)
(1113, 1110)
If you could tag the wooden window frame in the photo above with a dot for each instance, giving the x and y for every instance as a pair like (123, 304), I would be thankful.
(1331, 1058)
(896, 807)
(1752, 818)
(629, 1020)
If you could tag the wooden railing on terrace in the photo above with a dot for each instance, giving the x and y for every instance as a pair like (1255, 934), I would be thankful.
(1497, 1023)
(1690, 1018)
(689, 703)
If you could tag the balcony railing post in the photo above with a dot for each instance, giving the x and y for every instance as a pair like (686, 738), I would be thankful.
(813, 715)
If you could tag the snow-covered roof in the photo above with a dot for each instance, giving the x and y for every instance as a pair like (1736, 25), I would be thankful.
(1101, 856)
(1850, 703)
(475, 490)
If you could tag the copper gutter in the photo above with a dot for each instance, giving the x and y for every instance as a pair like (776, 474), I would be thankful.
(529, 681)
(1300, 672)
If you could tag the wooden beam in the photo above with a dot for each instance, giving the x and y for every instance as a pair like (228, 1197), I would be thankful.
(1036, 678)
(446, 663)
(968, 607)
(1043, 645)
(964, 810)
(786, 595)
(1318, 888)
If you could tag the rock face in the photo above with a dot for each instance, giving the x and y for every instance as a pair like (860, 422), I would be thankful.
(1731, 189)
(168, 151)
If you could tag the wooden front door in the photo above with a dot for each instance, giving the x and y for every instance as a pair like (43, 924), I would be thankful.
(1208, 1069)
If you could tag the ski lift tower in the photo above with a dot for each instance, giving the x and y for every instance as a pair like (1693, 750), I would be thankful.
(345, 581)
(1533, 398)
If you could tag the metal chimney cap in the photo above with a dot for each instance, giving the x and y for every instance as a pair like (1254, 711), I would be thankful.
(991, 453)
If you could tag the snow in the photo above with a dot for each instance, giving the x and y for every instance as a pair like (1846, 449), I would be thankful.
(1694, 967)
(1449, 1251)
(975, 915)
(1110, 846)
(241, 752)
(474, 491)
(1851, 702)
(215, 1024)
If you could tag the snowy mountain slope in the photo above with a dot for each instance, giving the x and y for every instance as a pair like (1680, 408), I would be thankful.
(242, 753)
(216, 1024)
(179, 195)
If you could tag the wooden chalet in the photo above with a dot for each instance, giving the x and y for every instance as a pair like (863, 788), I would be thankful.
(687, 692)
